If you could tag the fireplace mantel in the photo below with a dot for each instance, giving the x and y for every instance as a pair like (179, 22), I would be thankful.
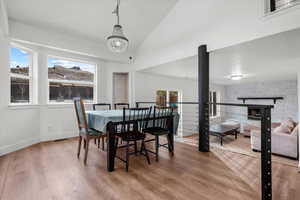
(260, 98)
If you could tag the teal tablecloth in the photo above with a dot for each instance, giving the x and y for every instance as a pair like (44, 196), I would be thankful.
(99, 119)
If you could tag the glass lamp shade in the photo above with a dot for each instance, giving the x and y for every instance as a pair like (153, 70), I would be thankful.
(117, 42)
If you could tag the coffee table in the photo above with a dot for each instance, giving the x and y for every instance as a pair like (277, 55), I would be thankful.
(221, 131)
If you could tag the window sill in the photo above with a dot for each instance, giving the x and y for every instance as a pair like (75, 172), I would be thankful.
(23, 106)
(38, 106)
(215, 117)
(64, 105)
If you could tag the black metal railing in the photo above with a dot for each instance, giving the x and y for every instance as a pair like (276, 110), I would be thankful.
(266, 162)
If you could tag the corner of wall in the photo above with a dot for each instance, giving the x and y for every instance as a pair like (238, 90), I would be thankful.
(298, 94)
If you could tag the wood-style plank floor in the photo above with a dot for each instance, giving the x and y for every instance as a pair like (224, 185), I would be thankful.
(52, 171)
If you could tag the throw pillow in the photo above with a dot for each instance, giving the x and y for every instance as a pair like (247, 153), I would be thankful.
(282, 129)
(295, 131)
(289, 124)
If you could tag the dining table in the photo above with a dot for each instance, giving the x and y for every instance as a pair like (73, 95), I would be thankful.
(101, 120)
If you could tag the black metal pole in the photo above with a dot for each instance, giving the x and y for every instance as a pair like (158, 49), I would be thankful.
(266, 155)
(111, 150)
(203, 98)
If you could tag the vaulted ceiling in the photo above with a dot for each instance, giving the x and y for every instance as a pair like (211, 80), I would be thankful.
(92, 19)
(160, 31)
(275, 57)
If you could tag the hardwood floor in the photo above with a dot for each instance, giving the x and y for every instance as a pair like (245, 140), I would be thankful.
(240, 145)
(52, 171)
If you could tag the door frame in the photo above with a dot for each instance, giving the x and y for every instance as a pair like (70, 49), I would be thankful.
(113, 86)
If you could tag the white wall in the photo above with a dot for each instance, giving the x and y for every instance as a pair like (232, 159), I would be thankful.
(217, 23)
(298, 89)
(18, 128)
(147, 84)
(288, 107)
(22, 126)
(3, 19)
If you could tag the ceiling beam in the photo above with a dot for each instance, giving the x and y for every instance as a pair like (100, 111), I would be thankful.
(4, 30)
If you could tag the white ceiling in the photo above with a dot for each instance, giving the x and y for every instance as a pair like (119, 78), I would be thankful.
(275, 57)
(92, 19)
(217, 23)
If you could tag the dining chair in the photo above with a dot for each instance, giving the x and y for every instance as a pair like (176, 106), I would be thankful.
(85, 133)
(134, 121)
(121, 105)
(159, 127)
(105, 106)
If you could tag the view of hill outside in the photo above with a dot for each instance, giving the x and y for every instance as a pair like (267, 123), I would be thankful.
(69, 79)
(20, 63)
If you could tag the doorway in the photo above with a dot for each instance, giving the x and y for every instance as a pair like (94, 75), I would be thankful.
(120, 88)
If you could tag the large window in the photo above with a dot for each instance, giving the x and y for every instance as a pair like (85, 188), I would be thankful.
(69, 79)
(20, 76)
(275, 5)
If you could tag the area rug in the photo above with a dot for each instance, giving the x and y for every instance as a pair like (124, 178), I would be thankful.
(241, 145)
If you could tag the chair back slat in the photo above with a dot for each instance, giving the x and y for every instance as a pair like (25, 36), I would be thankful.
(121, 105)
(105, 106)
(164, 113)
(141, 115)
(80, 113)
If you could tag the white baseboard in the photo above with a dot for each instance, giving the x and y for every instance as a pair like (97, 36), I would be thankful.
(26, 143)
(67, 134)
(17, 146)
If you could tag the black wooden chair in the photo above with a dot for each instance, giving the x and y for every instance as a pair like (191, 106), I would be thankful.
(105, 106)
(121, 105)
(85, 133)
(101, 106)
(160, 127)
(130, 131)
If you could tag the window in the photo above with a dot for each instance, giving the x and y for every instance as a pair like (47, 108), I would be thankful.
(161, 98)
(213, 108)
(20, 76)
(171, 98)
(168, 98)
(69, 79)
(275, 5)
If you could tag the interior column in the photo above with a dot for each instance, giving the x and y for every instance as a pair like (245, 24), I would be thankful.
(203, 98)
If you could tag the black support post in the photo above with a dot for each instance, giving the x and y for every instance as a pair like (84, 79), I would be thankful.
(203, 98)
(111, 149)
(266, 155)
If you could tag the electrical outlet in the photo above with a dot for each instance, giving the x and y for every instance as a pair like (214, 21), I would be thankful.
(50, 129)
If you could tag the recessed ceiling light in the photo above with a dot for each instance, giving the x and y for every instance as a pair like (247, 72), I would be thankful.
(236, 77)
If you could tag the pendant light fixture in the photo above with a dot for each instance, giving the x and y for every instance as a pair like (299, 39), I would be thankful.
(117, 42)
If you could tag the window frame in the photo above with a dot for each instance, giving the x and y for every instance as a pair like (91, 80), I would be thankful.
(95, 85)
(214, 109)
(30, 77)
(270, 7)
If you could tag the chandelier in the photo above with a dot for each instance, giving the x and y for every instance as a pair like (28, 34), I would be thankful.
(117, 42)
